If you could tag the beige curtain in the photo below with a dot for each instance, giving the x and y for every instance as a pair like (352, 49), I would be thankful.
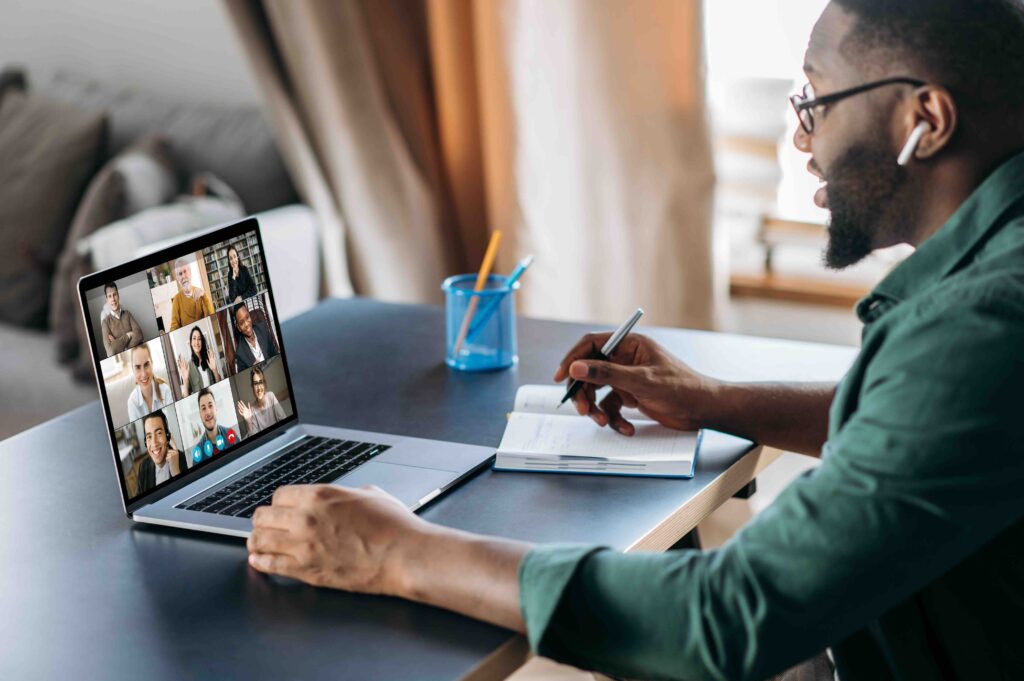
(575, 126)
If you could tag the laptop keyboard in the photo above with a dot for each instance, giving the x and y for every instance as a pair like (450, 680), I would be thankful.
(314, 460)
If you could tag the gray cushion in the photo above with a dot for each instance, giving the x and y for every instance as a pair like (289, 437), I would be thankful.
(140, 177)
(233, 142)
(49, 151)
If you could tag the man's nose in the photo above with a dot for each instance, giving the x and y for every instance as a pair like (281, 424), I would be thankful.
(801, 139)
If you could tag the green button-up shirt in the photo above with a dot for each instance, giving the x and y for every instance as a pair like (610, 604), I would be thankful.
(903, 550)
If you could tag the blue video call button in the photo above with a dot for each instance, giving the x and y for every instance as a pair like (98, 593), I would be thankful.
(220, 443)
(208, 448)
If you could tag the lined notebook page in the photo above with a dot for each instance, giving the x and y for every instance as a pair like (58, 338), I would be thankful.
(544, 399)
(531, 433)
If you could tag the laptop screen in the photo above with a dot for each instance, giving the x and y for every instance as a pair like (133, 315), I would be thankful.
(189, 356)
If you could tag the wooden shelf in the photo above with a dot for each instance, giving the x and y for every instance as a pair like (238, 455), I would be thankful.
(796, 289)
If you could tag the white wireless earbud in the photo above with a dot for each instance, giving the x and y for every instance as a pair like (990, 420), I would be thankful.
(911, 146)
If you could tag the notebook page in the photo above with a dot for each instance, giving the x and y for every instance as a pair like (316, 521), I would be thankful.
(573, 436)
(544, 399)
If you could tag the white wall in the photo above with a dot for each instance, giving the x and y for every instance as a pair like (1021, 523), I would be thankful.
(186, 47)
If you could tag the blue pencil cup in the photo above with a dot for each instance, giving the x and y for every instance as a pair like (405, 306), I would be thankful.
(481, 335)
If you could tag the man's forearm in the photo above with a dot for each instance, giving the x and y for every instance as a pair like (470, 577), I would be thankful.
(120, 343)
(470, 574)
(789, 416)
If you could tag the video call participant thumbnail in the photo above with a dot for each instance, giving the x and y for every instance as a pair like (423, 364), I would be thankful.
(150, 393)
(200, 369)
(164, 461)
(255, 343)
(191, 303)
(265, 410)
(240, 282)
(119, 329)
(215, 438)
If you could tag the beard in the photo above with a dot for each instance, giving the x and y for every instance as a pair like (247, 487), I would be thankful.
(869, 202)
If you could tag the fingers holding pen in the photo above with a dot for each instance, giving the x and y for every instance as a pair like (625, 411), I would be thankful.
(612, 406)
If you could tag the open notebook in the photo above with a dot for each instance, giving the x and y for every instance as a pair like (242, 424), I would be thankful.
(541, 437)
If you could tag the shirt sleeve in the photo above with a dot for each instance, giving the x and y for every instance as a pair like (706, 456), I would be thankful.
(104, 331)
(924, 473)
(175, 312)
(278, 409)
(136, 329)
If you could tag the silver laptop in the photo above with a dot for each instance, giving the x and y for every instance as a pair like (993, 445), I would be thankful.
(202, 417)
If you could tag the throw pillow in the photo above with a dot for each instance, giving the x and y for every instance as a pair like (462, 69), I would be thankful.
(12, 80)
(141, 177)
(49, 152)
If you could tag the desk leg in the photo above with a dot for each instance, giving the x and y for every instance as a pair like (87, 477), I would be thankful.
(690, 540)
(747, 491)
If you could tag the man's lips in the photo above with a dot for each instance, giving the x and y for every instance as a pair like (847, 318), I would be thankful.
(820, 196)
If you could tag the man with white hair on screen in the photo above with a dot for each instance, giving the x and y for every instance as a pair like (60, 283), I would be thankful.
(191, 303)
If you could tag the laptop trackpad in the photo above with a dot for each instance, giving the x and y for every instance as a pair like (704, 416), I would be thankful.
(408, 483)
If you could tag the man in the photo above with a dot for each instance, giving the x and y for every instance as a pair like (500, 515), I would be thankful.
(255, 343)
(215, 437)
(190, 303)
(902, 552)
(119, 329)
(164, 460)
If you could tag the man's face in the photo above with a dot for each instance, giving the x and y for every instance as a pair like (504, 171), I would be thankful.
(869, 196)
(113, 299)
(184, 278)
(244, 322)
(208, 412)
(156, 440)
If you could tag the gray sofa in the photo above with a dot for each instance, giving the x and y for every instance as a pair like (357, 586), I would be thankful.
(233, 143)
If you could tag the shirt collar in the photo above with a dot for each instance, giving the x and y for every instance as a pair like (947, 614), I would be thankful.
(973, 223)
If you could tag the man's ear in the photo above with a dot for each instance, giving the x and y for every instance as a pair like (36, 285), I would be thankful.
(935, 106)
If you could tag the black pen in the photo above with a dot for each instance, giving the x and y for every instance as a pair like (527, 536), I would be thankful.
(606, 351)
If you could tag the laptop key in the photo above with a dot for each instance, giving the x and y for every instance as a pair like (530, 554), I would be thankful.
(317, 460)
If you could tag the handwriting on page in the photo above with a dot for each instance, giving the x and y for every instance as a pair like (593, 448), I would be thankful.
(572, 435)
(544, 399)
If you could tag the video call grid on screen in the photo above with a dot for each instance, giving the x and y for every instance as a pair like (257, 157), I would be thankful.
(195, 330)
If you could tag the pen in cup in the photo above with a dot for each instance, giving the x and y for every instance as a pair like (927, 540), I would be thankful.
(481, 279)
(487, 311)
(606, 351)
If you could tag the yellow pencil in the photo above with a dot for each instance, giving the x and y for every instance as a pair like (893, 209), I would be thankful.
(481, 280)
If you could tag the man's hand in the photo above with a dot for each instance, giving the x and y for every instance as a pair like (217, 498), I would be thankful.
(332, 536)
(110, 337)
(642, 374)
(172, 455)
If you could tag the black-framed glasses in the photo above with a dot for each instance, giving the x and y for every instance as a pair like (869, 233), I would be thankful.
(805, 102)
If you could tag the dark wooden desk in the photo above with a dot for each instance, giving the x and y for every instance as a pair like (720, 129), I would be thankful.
(85, 594)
